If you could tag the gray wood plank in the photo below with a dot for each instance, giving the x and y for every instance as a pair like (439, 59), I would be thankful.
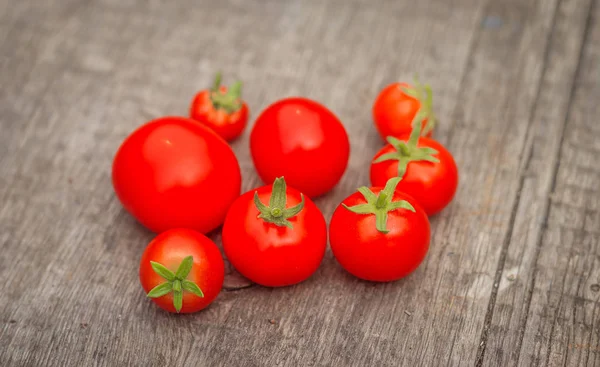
(78, 76)
(501, 342)
(563, 325)
(491, 121)
(83, 75)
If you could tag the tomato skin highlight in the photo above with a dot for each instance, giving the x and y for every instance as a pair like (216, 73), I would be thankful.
(169, 249)
(271, 255)
(174, 172)
(394, 111)
(227, 125)
(372, 255)
(433, 185)
(303, 141)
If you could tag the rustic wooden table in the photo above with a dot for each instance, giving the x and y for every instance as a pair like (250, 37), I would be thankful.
(513, 274)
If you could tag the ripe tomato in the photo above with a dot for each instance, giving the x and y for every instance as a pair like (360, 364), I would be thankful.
(379, 234)
(303, 141)
(182, 271)
(220, 109)
(275, 245)
(428, 171)
(397, 105)
(173, 172)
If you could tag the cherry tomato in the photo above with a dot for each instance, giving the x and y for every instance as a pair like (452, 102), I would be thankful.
(379, 234)
(303, 141)
(221, 109)
(173, 172)
(397, 105)
(182, 271)
(428, 171)
(278, 244)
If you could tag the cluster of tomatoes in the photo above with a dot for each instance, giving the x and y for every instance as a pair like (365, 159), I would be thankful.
(180, 178)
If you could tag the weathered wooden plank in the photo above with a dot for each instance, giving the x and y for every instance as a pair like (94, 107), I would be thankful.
(501, 341)
(491, 121)
(563, 325)
(84, 74)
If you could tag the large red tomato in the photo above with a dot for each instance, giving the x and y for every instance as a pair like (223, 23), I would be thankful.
(428, 171)
(397, 105)
(379, 234)
(174, 172)
(182, 270)
(278, 244)
(303, 141)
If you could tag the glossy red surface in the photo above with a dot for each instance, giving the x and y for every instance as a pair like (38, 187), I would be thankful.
(371, 255)
(433, 185)
(173, 172)
(169, 249)
(303, 141)
(268, 254)
(394, 111)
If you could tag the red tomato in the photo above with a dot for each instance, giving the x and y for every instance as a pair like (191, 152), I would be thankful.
(182, 271)
(220, 109)
(303, 141)
(173, 172)
(279, 244)
(379, 234)
(397, 105)
(428, 171)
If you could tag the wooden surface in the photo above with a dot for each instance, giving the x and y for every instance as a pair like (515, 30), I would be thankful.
(513, 274)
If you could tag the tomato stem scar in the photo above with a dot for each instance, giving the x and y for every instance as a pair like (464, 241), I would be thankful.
(408, 151)
(175, 282)
(229, 101)
(276, 212)
(380, 205)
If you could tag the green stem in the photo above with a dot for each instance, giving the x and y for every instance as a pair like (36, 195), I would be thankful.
(408, 151)
(381, 201)
(380, 205)
(415, 133)
(176, 282)
(177, 285)
(236, 89)
(230, 101)
(381, 221)
(217, 83)
(424, 95)
(276, 212)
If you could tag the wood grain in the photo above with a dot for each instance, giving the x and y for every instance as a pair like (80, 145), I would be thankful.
(78, 76)
(563, 326)
(516, 276)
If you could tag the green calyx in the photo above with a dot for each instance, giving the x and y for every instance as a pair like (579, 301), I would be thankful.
(276, 212)
(230, 101)
(175, 282)
(424, 95)
(380, 205)
(407, 152)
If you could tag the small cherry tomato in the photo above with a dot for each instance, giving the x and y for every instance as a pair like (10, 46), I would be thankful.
(173, 172)
(429, 173)
(279, 244)
(182, 271)
(221, 109)
(303, 141)
(379, 234)
(397, 105)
